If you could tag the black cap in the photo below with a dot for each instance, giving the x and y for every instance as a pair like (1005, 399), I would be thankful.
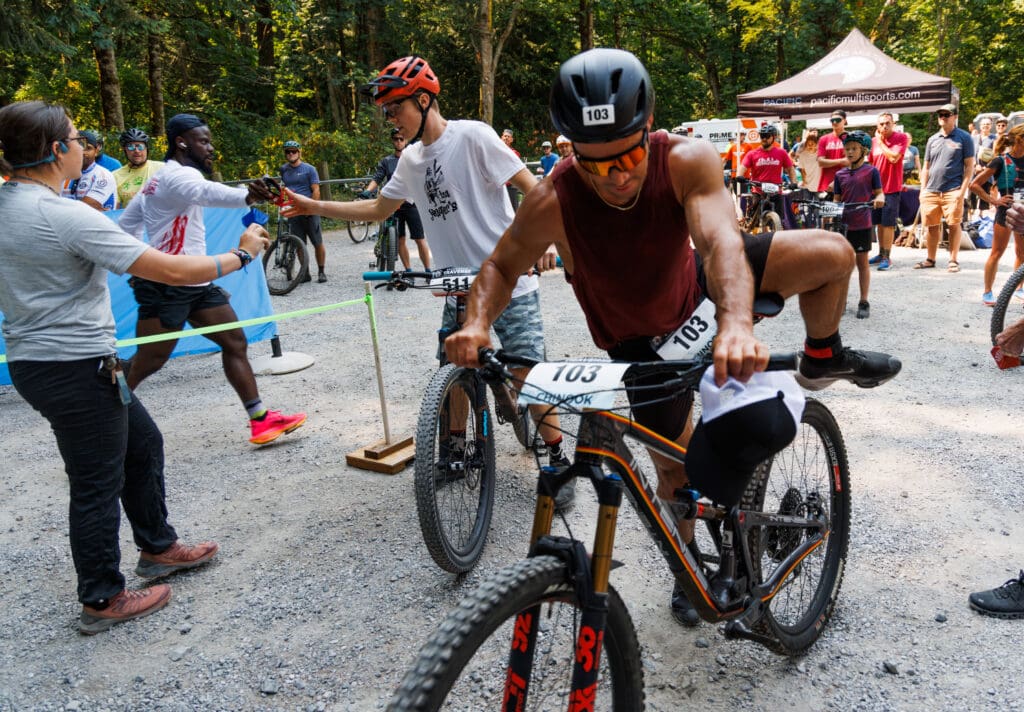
(838, 112)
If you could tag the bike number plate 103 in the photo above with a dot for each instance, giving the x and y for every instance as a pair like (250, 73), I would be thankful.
(451, 285)
(578, 384)
(694, 337)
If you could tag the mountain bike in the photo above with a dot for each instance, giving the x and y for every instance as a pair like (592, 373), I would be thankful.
(760, 214)
(385, 249)
(454, 475)
(286, 260)
(550, 632)
(359, 230)
(811, 211)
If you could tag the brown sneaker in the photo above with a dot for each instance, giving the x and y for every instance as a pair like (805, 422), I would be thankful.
(123, 607)
(177, 558)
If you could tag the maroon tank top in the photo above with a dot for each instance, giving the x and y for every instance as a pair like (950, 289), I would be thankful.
(634, 269)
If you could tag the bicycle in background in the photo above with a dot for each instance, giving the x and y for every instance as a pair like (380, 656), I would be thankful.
(760, 214)
(286, 261)
(454, 475)
(551, 631)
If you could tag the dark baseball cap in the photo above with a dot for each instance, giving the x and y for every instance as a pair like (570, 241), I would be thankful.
(951, 108)
(838, 112)
(741, 425)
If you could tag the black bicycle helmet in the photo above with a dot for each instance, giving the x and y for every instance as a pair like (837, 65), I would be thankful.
(858, 137)
(601, 95)
(134, 135)
(768, 130)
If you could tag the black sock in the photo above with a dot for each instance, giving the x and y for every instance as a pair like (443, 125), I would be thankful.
(823, 349)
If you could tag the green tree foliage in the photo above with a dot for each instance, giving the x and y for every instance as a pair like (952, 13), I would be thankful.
(264, 71)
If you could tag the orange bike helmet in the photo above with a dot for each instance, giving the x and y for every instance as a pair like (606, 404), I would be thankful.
(403, 78)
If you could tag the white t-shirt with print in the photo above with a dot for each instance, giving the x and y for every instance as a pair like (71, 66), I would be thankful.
(458, 186)
(97, 183)
(170, 209)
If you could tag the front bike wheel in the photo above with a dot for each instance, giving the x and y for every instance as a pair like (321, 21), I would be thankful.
(284, 263)
(1004, 302)
(810, 478)
(359, 230)
(454, 471)
(464, 664)
(771, 222)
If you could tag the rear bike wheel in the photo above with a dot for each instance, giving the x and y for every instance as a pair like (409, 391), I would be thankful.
(464, 663)
(454, 470)
(1005, 301)
(359, 230)
(391, 247)
(284, 263)
(810, 478)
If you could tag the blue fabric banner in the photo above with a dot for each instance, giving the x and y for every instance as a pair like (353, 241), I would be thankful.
(248, 289)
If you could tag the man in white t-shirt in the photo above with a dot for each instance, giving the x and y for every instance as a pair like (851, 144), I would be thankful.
(169, 209)
(455, 173)
(97, 187)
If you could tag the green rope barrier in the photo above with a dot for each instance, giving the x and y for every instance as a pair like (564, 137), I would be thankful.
(184, 334)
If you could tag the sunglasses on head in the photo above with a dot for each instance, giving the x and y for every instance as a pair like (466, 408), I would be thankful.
(625, 161)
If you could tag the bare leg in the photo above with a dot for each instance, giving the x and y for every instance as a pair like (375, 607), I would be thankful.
(954, 241)
(234, 356)
(932, 241)
(885, 238)
(149, 358)
(403, 253)
(863, 275)
(1000, 239)
(321, 256)
(424, 249)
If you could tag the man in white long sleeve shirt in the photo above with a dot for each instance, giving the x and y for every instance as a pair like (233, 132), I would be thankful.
(169, 209)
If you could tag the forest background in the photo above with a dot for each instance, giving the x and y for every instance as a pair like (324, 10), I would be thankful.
(264, 71)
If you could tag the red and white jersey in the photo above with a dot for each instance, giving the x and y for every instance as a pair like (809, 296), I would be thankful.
(169, 209)
(767, 166)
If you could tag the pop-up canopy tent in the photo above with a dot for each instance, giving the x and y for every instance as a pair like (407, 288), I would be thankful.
(855, 76)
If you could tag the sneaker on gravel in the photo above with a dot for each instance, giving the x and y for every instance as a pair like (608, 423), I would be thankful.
(877, 259)
(863, 310)
(866, 369)
(178, 557)
(682, 610)
(273, 425)
(988, 300)
(884, 265)
(124, 607)
(321, 277)
(1006, 601)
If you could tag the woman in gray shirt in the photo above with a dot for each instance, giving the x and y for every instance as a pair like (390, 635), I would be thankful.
(59, 333)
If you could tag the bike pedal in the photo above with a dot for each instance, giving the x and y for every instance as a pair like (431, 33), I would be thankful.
(737, 629)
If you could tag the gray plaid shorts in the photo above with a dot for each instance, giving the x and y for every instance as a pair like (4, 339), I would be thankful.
(519, 328)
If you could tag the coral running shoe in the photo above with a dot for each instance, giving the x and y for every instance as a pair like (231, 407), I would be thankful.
(273, 425)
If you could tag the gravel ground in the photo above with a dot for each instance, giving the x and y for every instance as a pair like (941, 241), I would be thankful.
(323, 591)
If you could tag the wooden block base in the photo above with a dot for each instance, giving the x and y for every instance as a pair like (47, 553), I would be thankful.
(389, 458)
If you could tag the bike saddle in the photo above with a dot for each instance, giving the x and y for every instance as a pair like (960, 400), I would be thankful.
(768, 304)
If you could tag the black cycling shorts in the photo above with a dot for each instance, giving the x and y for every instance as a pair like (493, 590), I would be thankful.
(667, 417)
(408, 215)
(174, 305)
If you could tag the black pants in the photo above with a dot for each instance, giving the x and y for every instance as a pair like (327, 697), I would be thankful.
(111, 452)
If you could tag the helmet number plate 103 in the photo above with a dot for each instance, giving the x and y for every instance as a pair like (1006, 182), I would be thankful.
(599, 115)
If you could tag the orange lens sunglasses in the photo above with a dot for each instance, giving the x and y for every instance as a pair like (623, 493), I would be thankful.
(625, 161)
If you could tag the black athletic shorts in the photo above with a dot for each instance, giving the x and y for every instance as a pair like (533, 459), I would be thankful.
(408, 215)
(306, 227)
(174, 305)
(859, 239)
(668, 417)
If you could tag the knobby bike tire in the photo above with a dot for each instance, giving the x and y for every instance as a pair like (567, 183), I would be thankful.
(284, 263)
(1004, 301)
(815, 462)
(772, 222)
(391, 248)
(455, 490)
(463, 664)
(359, 230)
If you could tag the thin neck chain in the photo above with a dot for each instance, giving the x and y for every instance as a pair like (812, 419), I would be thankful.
(20, 176)
(636, 198)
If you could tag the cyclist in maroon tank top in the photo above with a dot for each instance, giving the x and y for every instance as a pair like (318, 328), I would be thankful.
(622, 212)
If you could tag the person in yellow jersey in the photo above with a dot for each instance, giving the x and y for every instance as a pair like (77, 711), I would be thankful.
(133, 175)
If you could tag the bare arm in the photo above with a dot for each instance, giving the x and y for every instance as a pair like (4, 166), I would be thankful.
(538, 224)
(710, 216)
(978, 185)
(315, 190)
(92, 203)
(192, 269)
(366, 210)
(968, 173)
(524, 181)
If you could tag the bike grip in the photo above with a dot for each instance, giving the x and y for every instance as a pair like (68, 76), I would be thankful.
(513, 360)
(783, 362)
(377, 276)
